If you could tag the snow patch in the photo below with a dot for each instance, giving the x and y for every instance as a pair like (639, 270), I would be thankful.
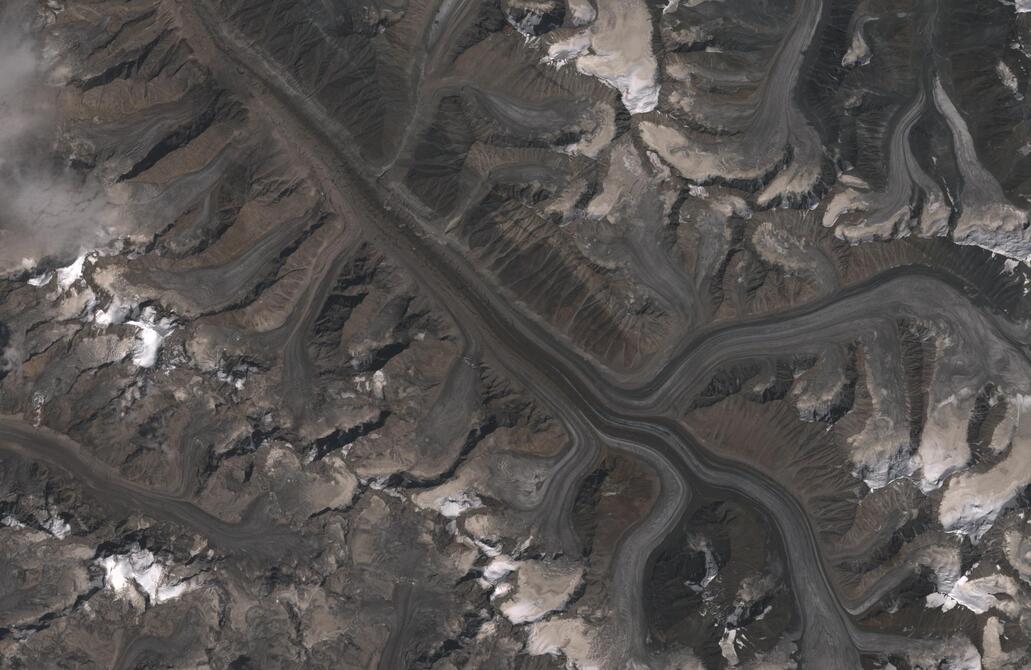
(581, 12)
(375, 385)
(11, 521)
(521, 611)
(499, 568)
(453, 506)
(152, 332)
(115, 313)
(57, 527)
(501, 590)
(488, 550)
(67, 276)
(226, 378)
(572, 638)
(140, 574)
(712, 568)
(859, 51)
(727, 646)
(41, 280)
(972, 501)
(543, 587)
(53, 524)
(616, 49)
(1009, 80)
(943, 447)
(977, 595)
(883, 472)
(956, 653)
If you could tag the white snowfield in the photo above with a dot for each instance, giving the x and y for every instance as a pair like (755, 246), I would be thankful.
(973, 500)
(139, 574)
(152, 332)
(616, 49)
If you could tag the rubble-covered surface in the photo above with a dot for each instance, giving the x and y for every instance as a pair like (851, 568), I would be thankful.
(515, 334)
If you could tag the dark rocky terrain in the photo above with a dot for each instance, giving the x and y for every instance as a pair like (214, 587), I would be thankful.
(515, 334)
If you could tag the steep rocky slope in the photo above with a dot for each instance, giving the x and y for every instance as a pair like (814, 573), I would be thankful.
(452, 334)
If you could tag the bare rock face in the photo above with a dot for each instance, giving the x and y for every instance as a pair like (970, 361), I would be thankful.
(515, 334)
